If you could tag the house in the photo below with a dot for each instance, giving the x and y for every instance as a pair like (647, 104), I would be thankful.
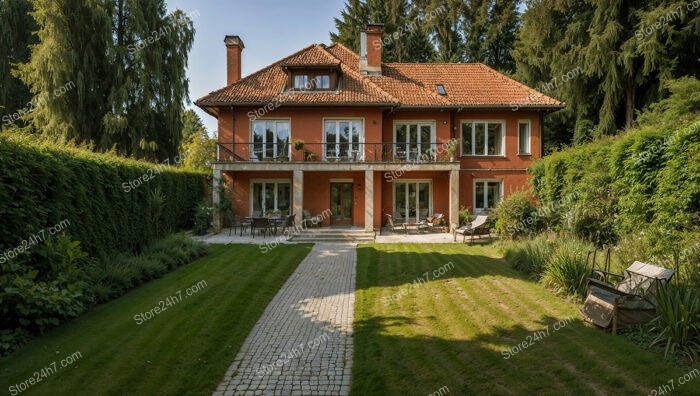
(326, 128)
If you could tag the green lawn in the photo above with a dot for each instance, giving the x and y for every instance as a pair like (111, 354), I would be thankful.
(185, 349)
(452, 331)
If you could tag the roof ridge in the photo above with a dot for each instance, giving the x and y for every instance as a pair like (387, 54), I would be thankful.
(506, 78)
(360, 76)
(255, 73)
(344, 47)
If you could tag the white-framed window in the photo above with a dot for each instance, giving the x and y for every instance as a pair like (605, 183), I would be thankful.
(301, 81)
(268, 196)
(323, 81)
(485, 138)
(413, 200)
(270, 140)
(343, 139)
(487, 194)
(524, 137)
(414, 139)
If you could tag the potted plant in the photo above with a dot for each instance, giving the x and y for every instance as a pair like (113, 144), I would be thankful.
(298, 144)
(452, 150)
(309, 155)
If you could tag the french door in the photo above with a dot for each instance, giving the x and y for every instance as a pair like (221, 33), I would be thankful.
(341, 203)
(413, 200)
(343, 139)
(270, 140)
(412, 140)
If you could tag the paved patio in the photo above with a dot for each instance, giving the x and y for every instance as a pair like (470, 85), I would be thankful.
(302, 344)
(382, 237)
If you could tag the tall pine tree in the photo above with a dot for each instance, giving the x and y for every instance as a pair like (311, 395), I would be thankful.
(16, 27)
(74, 37)
(124, 62)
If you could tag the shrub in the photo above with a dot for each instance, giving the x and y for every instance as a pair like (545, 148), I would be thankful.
(202, 219)
(645, 178)
(516, 216)
(115, 275)
(566, 270)
(108, 202)
(530, 255)
(42, 289)
(678, 321)
(11, 339)
(464, 216)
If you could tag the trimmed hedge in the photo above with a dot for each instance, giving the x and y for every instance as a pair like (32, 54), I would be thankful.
(648, 177)
(43, 184)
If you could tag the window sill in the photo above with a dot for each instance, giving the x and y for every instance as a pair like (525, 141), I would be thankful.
(525, 154)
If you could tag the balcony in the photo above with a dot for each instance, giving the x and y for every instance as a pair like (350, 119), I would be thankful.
(387, 152)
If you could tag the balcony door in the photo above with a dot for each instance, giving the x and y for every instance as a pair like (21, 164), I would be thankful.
(413, 200)
(414, 141)
(270, 140)
(343, 140)
(341, 203)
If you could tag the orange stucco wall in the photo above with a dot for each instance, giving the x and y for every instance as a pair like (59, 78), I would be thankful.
(307, 124)
(511, 181)
(511, 159)
(441, 189)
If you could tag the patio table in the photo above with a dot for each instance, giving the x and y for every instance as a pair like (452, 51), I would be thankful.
(417, 226)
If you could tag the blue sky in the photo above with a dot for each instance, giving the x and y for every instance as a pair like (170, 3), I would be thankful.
(270, 30)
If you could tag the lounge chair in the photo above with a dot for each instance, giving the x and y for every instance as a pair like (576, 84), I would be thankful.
(631, 301)
(479, 226)
(392, 226)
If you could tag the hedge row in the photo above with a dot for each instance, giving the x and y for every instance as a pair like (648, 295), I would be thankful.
(648, 177)
(106, 202)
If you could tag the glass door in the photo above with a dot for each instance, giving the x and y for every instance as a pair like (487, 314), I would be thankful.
(413, 201)
(343, 140)
(341, 203)
(414, 141)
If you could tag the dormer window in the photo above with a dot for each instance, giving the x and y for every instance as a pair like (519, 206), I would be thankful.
(309, 78)
(301, 81)
(323, 81)
(440, 89)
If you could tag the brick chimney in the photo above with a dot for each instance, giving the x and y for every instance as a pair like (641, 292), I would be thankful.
(234, 47)
(371, 49)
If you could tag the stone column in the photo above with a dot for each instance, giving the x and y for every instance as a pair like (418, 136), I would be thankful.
(215, 199)
(369, 200)
(298, 195)
(454, 197)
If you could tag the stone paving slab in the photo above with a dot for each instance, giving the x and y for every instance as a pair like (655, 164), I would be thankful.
(302, 344)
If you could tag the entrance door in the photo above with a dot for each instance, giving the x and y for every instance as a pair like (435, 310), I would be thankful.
(341, 203)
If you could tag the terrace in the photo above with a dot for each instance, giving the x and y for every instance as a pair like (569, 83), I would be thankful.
(386, 152)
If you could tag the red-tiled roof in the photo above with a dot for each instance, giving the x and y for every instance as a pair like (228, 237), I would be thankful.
(401, 84)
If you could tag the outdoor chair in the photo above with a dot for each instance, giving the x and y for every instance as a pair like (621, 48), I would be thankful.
(239, 222)
(288, 222)
(262, 224)
(629, 302)
(308, 219)
(479, 226)
(392, 226)
(435, 221)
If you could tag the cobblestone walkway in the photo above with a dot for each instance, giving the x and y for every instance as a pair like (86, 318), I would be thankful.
(302, 344)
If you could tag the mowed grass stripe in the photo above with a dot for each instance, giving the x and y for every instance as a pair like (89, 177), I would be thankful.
(423, 342)
(183, 350)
